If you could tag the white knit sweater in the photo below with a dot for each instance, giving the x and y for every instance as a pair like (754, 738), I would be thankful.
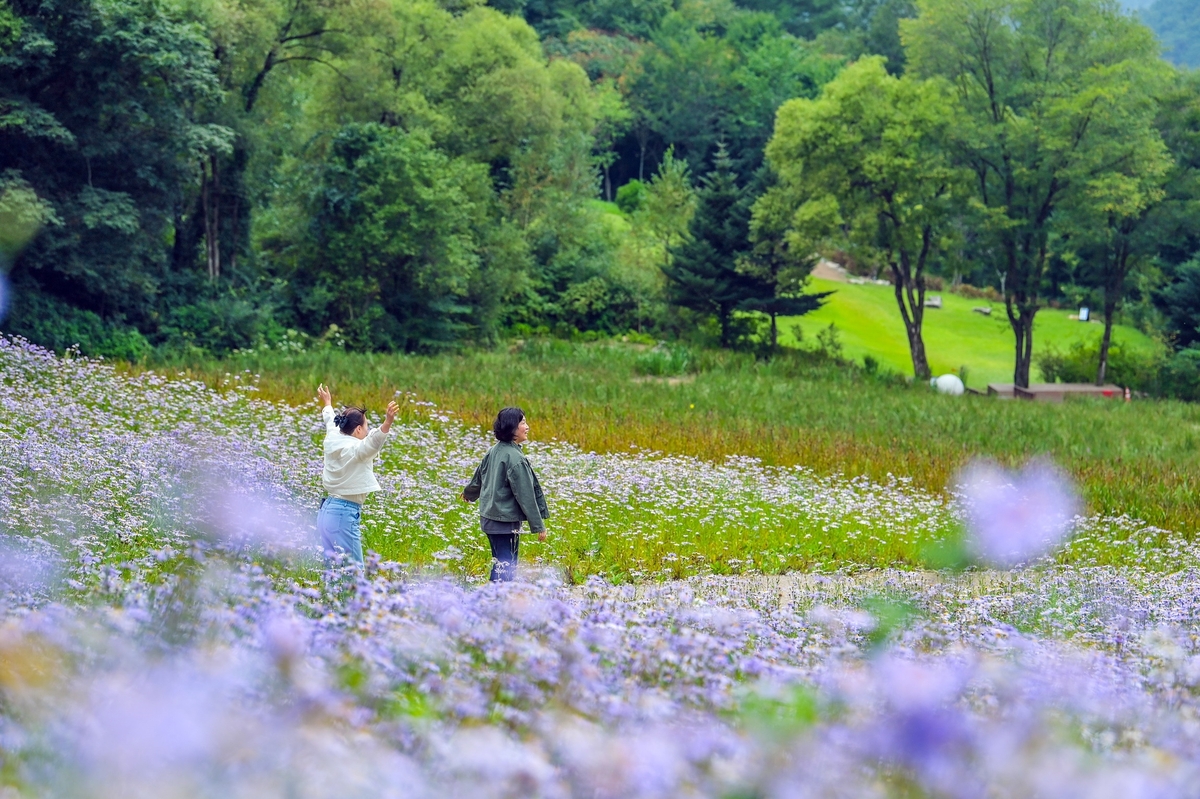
(350, 463)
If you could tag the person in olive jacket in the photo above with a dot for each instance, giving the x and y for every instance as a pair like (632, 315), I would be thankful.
(508, 493)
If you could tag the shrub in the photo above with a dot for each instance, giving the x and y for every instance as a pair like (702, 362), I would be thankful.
(631, 196)
(829, 343)
(1138, 371)
(663, 360)
(976, 293)
(52, 323)
(596, 305)
(1181, 375)
(220, 325)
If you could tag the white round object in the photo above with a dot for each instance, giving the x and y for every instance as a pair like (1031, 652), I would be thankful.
(948, 384)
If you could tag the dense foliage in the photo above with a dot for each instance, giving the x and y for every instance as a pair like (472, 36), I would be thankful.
(1177, 22)
(396, 175)
(416, 175)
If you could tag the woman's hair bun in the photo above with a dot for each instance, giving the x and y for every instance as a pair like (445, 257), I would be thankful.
(349, 418)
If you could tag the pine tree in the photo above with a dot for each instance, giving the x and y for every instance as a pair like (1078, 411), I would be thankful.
(704, 275)
(781, 271)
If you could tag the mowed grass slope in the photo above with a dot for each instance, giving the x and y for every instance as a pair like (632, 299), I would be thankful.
(868, 322)
(1140, 458)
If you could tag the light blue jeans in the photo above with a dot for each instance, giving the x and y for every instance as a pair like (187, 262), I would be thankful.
(338, 523)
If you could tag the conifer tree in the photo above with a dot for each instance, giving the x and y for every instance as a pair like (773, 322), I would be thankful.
(704, 274)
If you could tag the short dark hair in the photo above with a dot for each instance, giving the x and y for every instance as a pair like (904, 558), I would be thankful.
(507, 421)
(348, 419)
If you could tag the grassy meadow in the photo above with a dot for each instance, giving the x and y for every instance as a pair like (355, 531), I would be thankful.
(1140, 458)
(955, 336)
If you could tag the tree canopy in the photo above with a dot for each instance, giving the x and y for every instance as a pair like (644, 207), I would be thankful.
(869, 160)
(1056, 95)
(421, 174)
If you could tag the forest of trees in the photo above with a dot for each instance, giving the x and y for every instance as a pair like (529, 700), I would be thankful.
(414, 175)
(1177, 23)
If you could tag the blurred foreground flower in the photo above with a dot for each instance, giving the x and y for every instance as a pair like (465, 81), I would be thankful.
(1014, 517)
(22, 214)
(256, 517)
(27, 568)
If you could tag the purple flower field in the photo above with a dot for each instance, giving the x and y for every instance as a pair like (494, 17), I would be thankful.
(168, 631)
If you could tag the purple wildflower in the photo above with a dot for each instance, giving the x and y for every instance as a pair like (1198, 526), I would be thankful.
(1013, 518)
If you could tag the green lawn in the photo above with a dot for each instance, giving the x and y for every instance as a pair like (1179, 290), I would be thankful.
(869, 323)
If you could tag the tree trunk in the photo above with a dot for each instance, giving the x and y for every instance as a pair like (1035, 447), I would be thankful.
(251, 91)
(216, 217)
(1114, 288)
(233, 250)
(205, 191)
(210, 200)
(1022, 326)
(726, 318)
(910, 297)
(643, 140)
(916, 344)
(1102, 368)
(178, 247)
(774, 331)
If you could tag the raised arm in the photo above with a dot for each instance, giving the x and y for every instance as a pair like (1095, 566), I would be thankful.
(389, 417)
(370, 446)
(326, 400)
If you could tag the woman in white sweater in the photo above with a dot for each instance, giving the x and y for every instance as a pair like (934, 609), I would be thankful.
(349, 475)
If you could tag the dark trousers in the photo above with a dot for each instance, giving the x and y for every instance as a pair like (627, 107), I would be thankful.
(504, 555)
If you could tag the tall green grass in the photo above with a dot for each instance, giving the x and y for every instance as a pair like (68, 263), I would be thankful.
(1140, 458)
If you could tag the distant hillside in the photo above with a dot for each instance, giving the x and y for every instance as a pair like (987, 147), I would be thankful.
(868, 323)
(1177, 23)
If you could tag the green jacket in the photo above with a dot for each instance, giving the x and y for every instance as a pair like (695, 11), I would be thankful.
(507, 488)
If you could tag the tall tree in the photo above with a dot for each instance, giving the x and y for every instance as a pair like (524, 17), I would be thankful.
(1119, 223)
(1180, 300)
(478, 87)
(704, 275)
(780, 262)
(870, 27)
(1056, 96)
(715, 73)
(868, 155)
(804, 18)
(1179, 223)
(395, 240)
(263, 47)
(669, 204)
(99, 109)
